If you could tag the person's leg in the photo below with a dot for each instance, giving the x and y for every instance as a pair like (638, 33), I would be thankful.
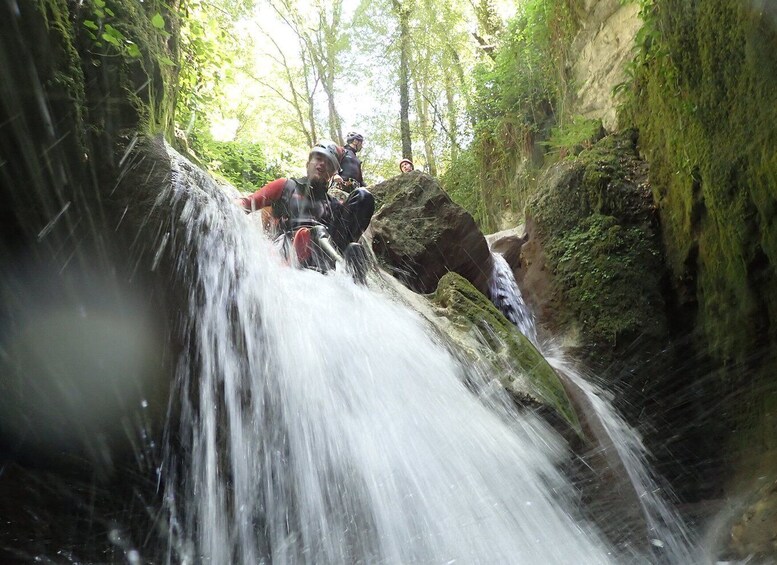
(301, 244)
(352, 217)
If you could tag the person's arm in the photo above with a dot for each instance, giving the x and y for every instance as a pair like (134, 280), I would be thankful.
(361, 179)
(265, 196)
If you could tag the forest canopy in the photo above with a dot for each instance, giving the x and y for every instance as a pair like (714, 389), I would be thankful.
(454, 86)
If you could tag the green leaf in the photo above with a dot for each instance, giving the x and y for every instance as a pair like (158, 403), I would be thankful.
(99, 3)
(90, 24)
(133, 50)
(166, 61)
(110, 12)
(111, 39)
(113, 32)
(158, 21)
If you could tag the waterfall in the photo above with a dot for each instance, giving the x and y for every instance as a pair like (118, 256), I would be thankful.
(320, 422)
(620, 444)
(507, 297)
(666, 531)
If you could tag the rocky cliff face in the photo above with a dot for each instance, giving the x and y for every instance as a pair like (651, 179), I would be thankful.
(705, 101)
(604, 45)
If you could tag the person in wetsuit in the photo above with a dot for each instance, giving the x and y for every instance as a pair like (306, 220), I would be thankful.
(350, 166)
(298, 203)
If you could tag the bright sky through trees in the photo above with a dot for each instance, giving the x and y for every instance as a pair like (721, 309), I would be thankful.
(258, 103)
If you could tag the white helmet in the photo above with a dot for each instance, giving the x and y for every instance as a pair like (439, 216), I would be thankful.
(330, 150)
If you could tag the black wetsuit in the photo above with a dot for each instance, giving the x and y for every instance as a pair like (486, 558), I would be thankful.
(351, 167)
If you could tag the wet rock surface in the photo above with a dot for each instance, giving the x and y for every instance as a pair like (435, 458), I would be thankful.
(420, 234)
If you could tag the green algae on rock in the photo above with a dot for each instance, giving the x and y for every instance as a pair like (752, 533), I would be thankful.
(595, 222)
(519, 364)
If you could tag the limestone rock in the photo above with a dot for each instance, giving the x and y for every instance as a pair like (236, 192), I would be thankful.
(755, 533)
(604, 46)
(508, 243)
(521, 369)
(592, 261)
(420, 234)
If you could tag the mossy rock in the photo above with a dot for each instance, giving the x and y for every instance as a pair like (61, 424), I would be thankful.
(712, 146)
(470, 310)
(419, 234)
(704, 98)
(594, 219)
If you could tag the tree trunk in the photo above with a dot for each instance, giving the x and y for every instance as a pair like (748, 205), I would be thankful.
(452, 115)
(313, 136)
(403, 13)
(422, 109)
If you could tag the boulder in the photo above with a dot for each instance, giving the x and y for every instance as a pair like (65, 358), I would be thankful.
(592, 262)
(420, 234)
(509, 355)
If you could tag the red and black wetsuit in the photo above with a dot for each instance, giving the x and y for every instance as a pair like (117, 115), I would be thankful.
(294, 201)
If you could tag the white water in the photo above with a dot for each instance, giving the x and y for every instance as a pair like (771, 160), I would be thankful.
(507, 297)
(665, 529)
(620, 443)
(321, 423)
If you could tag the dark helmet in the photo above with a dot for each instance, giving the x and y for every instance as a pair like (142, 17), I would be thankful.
(330, 150)
(354, 135)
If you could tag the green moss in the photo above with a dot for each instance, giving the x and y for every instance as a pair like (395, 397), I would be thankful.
(63, 77)
(704, 97)
(608, 274)
(594, 218)
(574, 136)
(468, 308)
(705, 101)
(128, 52)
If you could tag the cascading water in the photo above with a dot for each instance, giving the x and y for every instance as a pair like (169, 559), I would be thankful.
(507, 297)
(319, 422)
(618, 441)
(665, 529)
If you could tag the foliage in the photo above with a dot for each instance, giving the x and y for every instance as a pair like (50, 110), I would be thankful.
(518, 97)
(243, 164)
(318, 32)
(441, 52)
(209, 48)
(459, 179)
(130, 42)
(575, 135)
(527, 78)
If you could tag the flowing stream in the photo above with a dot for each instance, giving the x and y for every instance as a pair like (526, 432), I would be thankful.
(320, 422)
(619, 443)
(506, 296)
